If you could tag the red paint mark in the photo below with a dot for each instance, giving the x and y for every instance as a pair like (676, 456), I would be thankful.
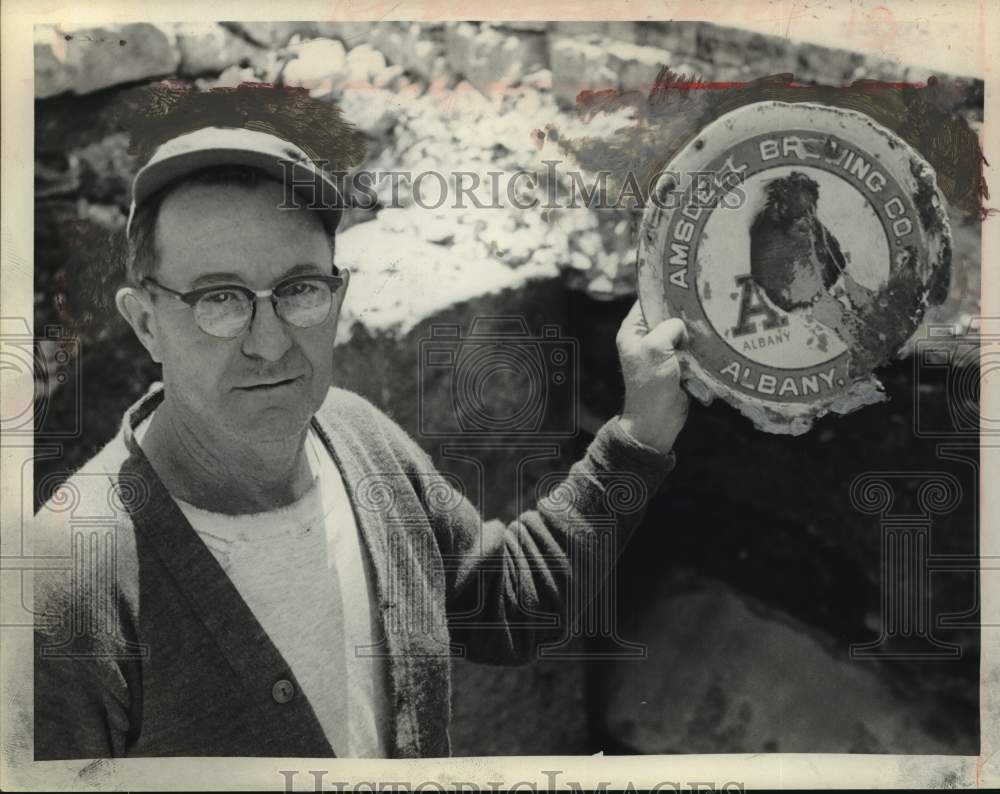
(918, 112)
(589, 96)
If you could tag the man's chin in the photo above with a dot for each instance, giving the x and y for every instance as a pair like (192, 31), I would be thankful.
(271, 427)
(270, 414)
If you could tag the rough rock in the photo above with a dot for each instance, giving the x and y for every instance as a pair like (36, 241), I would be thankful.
(56, 175)
(401, 273)
(540, 80)
(52, 74)
(624, 31)
(364, 64)
(598, 64)
(78, 265)
(391, 78)
(490, 58)
(885, 69)
(727, 674)
(230, 78)
(544, 699)
(825, 65)
(373, 110)
(676, 37)
(411, 46)
(106, 169)
(725, 46)
(351, 33)
(579, 28)
(273, 34)
(603, 253)
(637, 66)
(315, 64)
(536, 26)
(579, 64)
(87, 60)
(207, 49)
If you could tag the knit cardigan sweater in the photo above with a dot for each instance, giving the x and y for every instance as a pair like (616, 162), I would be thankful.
(143, 646)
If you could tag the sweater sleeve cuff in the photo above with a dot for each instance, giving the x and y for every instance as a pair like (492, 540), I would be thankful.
(615, 449)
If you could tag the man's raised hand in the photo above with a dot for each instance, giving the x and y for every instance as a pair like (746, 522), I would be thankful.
(656, 406)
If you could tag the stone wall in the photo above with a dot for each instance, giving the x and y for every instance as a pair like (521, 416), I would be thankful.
(444, 97)
(778, 541)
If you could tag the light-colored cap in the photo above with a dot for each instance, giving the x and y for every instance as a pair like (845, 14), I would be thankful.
(214, 146)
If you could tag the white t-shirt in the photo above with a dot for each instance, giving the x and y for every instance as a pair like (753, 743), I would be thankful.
(306, 577)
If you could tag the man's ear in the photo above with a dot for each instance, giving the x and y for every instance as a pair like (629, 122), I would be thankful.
(136, 307)
(342, 292)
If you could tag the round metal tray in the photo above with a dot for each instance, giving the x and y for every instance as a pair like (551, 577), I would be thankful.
(801, 244)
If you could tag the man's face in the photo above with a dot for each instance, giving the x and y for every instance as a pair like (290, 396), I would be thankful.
(234, 234)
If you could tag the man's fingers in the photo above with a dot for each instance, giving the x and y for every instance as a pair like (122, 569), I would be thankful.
(633, 327)
(668, 335)
(635, 320)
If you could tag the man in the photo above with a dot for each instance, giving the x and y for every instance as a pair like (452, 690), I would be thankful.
(285, 574)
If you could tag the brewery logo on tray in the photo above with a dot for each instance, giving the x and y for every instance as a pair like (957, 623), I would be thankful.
(806, 259)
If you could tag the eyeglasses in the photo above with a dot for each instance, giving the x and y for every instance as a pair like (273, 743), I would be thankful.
(226, 310)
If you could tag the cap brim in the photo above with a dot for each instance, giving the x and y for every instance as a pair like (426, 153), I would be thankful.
(312, 187)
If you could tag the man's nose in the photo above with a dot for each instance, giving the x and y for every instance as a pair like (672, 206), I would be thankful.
(268, 336)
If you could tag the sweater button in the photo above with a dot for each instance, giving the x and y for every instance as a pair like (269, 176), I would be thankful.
(283, 691)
